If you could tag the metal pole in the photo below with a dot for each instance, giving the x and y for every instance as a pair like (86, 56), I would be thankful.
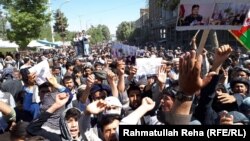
(51, 23)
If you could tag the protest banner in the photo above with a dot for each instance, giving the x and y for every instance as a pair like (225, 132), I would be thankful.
(213, 14)
(122, 51)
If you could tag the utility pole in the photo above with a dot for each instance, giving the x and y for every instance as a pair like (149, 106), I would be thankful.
(51, 23)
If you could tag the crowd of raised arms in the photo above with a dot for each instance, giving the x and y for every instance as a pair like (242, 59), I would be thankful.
(90, 93)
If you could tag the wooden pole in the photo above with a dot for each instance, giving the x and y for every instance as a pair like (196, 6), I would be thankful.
(203, 41)
(194, 36)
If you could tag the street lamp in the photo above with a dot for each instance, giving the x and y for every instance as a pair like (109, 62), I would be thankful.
(66, 1)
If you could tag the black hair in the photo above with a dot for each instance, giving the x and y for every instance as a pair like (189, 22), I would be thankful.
(170, 91)
(26, 60)
(77, 69)
(107, 119)
(25, 72)
(19, 97)
(98, 64)
(195, 6)
(17, 54)
(55, 67)
(68, 64)
(67, 77)
(133, 87)
(72, 113)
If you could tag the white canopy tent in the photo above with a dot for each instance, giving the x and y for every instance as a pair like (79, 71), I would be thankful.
(34, 44)
(46, 47)
(7, 46)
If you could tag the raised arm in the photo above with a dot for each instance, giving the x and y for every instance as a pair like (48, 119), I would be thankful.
(121, 76)
(133, 118)
(111, 79)
(90, 82)
(35, 127)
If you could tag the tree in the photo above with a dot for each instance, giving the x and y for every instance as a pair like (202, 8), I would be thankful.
(99, 34)
(46, 32)
(105, 32)
(3, 23)
(26, 19)
(124, 31)
(61, 24)
(96, 35)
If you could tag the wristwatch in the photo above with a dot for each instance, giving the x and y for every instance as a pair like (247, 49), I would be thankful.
(181, 96)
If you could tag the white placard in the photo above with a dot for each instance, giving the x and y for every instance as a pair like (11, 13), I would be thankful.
(148, 66)
(42, 71)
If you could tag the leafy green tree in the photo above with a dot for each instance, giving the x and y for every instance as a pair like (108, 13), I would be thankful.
(3, 22)
(61, 24)
(125, 31)
(69, 36)
(99, 34)
(96, 35)
(26, 18)
(46, 32)
(105, 32)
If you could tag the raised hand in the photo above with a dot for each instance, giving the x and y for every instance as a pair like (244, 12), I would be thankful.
(120, 67)
(148, 103)
(161, 74)
(111, 77)
(90, 80)
(132, 72)
(221, 54)
(190, 80)
(61, 99)
(96, 107)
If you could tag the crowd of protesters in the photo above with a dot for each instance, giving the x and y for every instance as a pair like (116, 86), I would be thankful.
(90, 94)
